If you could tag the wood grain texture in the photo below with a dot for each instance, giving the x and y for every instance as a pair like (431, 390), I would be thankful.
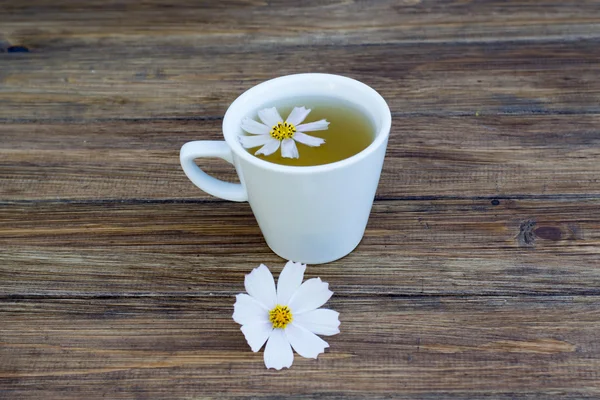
(309, 22)
(495, 156)
(477, 276)
(410, 248)
(411, 347)
(149, 81)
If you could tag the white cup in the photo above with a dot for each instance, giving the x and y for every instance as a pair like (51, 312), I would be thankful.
(313, 214)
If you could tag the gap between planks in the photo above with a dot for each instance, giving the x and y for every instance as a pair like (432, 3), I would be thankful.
(134, 201)
(338, 295)
(220, 118)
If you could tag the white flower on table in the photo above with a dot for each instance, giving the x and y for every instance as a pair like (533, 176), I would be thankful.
(285, 317)
(275, 132)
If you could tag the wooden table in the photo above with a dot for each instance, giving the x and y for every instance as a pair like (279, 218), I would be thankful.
(479, 273)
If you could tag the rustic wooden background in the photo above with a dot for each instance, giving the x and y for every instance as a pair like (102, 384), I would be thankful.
(478, 276)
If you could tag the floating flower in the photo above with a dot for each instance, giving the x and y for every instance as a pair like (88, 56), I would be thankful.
(274, 132)
(285, 317)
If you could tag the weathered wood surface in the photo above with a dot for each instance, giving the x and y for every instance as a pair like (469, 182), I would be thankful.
(129, 348)
(478, 275)
(173, 80)
(470, 156)
(68, 23)
(444, 247)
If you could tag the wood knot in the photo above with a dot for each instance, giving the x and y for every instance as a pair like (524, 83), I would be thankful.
(526, 236)
(548, 232)
(528, 233)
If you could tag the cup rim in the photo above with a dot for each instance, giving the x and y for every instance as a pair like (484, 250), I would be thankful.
(238, 149)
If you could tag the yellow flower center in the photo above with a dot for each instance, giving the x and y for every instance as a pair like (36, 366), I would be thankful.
(280, 316)
(283, 130)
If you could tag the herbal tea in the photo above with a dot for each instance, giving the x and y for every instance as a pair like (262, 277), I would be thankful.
(349, 132)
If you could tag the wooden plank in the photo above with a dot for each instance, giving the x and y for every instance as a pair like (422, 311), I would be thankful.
(314, 22)
(476, 278)
(504, 156)
(445, 247)
(146, 80)
(432, 348)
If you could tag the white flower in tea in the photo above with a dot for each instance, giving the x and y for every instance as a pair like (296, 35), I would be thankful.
(275, 132)
(285, 317)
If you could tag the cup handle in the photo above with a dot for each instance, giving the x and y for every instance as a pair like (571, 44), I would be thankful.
(213, 186)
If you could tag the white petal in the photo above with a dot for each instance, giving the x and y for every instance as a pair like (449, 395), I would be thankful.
(270, 116)
(297, 115)
(269, 148)
(289, 149)
(308, 140)
(305, 343)
(278, 352)
(252, 126)
(320, 125)
(253, 141)
(257, 334)
(289, 281)
(248, 310)
(321, 321)
(311, 295)
(261, 285)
